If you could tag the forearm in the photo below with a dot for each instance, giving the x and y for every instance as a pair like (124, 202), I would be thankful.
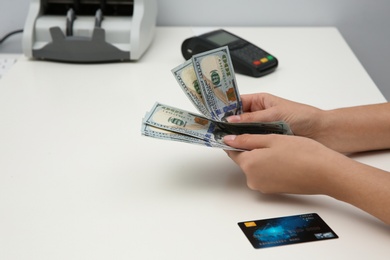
(363, 186)
(356, 129)
(309, 167)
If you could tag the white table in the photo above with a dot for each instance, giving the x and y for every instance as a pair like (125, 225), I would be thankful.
(7, 61)
(78, 181)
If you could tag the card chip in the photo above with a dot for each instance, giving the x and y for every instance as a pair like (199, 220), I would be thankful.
(250, 224)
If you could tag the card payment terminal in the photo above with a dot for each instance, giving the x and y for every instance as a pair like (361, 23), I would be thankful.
(247, 58)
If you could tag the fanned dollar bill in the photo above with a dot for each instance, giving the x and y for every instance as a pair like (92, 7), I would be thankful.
(209, 82)
(171, 123)
(217, 81)
(188, 81)
(183, 122)
(159, 133)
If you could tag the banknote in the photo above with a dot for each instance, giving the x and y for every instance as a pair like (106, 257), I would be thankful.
(183, 122)
(159, 133)
(171, 123)
(208, 80)
(188, 81)
(217, 82)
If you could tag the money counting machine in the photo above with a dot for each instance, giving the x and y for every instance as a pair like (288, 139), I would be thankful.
(87, 31)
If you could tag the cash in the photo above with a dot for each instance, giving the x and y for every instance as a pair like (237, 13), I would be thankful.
(170, 123)
(208, 80)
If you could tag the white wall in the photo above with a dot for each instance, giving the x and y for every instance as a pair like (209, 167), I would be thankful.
(365, 24)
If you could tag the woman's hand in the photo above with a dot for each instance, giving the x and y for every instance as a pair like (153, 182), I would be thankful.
(304, 120)
(350, 129)
(298, 165)
(285, 164)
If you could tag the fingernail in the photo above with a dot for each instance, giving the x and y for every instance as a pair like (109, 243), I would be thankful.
(228, 138)
(233, 119)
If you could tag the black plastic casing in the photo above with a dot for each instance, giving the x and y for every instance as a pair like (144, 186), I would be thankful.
(242, 64)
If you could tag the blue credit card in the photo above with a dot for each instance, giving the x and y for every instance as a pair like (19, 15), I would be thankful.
(286, 230)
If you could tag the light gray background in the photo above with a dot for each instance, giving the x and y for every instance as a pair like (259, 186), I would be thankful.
(365, 24)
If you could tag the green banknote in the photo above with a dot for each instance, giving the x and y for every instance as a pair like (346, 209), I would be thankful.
(171, 123)
(183, 122)
(159, 133)
(188, 81)
(208, 80)
(217, 81)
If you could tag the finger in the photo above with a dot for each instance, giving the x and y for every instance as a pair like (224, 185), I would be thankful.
(257, 108)
(250, 141)
(234, 155)
(258, 101)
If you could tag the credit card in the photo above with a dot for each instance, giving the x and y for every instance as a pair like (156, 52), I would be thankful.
(286, 230)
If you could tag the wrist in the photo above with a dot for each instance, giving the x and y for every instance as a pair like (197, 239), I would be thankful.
(333, 130)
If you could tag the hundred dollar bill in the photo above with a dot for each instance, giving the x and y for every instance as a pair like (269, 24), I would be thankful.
(163, 134)
(215, 73)
(188, 81)
(209, 82)
(186, 123)
(183, 122)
